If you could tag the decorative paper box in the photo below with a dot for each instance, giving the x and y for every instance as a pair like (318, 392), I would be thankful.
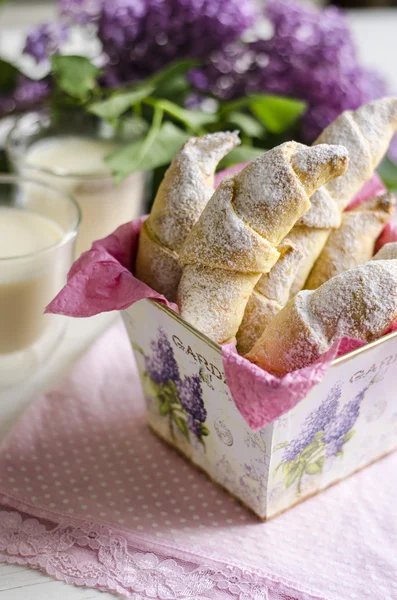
(346, 422)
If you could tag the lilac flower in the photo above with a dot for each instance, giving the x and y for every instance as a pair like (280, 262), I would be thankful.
(191, 397)
(141, 36)
(310, 55)
(344, 420)
(316, 421)
(80, 12)
(27, 93)
(161, 364)
(194, 426)
(44, 40)
(334, 447)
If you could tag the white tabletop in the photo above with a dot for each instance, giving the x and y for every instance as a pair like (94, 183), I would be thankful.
(375, 34)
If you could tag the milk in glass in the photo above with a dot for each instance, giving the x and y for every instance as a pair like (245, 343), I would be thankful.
(29, 276)
(76, 165)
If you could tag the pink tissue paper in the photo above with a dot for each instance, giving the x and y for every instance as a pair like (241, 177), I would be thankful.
(102, 280)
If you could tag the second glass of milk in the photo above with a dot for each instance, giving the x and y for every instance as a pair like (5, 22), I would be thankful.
(68, 151)
(38, 228)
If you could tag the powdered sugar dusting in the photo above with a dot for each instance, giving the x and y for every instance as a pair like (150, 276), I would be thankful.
(273, 191)
(249, 214)
(360, 303)
(366, 133)
(354, 242)
(319, 164)
(187, 187)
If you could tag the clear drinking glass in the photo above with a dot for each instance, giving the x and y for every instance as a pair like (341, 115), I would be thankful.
(38, 229)
(66, 150)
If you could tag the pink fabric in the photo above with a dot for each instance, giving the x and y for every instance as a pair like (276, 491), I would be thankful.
(89, 495)
(261, 397)
(371, 188)
(101, 280)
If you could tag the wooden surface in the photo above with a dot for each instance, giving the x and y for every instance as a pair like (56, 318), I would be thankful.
(375, 32)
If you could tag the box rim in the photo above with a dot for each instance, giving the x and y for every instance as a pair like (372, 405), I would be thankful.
(337, 361)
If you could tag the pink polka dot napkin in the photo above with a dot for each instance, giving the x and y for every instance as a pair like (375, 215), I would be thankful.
(89, 495)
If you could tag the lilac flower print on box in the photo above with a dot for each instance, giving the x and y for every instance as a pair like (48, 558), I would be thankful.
(179, 399)
(324, 433)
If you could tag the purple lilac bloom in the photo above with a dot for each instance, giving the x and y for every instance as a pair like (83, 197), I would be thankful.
(344, 420)
(334, 447)
(161, 364)
(44, 40)
(316, 421)
(191, 397)
(80, 12)
(194, 426)
(27, 93)
(142, 36)
(310, 55)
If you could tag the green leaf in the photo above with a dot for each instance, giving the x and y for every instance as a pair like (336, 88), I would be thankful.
(309, 450)
(388, 173)
(276, 469)
(293, 475)
(117, 104)
(275, 112)
(240, 154)
(75, 75)
(339, 454)
(204, 429)
(246, 123)
(234, 105)
(348, 436)
(164, 408)
(8, 76)
(319, 436)
(195, 119)
(139, 156)
(181, 424)
(290, 466)
(172, 78)
(280, 446)
(315, 467)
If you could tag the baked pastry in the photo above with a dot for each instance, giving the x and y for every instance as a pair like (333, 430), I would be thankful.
(366, 133)
(353, 243)
(360, 303)
(235, 240)
(269, 296)
(185, 190)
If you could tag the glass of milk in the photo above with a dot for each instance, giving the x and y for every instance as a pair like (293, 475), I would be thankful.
(38, 229)
(67, 151)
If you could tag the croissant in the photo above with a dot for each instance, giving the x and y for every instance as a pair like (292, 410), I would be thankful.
(366, 133)
(269, 296)
(360, 303)
(353, 243)
(235, 240)
(185, 190)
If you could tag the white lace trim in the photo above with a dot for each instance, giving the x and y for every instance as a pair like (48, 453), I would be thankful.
(95, 556)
